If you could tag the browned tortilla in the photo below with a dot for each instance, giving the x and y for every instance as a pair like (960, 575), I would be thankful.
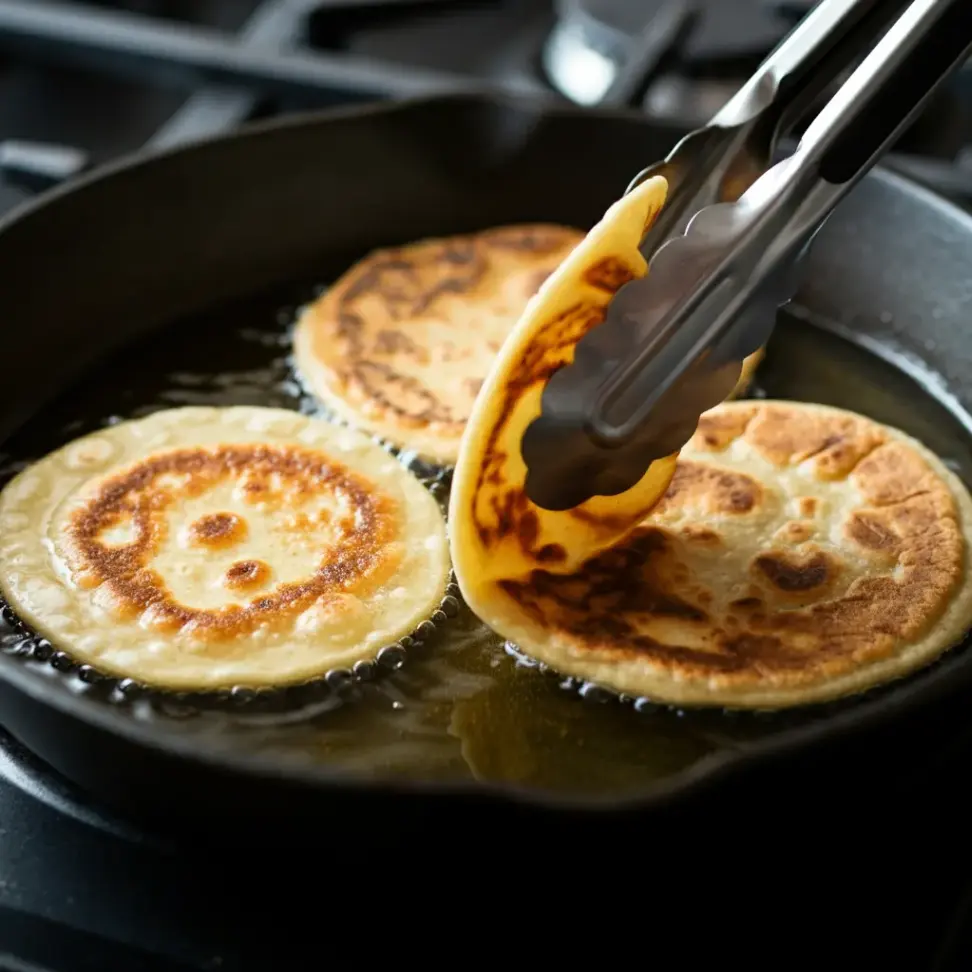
(800, 553)
(401, 343)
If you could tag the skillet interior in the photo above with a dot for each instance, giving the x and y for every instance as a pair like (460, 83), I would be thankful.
(301, 199)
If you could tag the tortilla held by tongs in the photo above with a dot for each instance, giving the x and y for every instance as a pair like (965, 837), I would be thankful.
(496, 531)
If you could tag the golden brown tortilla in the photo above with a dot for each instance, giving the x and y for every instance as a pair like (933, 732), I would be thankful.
(401, 344)
(799, 554)
(202, 548)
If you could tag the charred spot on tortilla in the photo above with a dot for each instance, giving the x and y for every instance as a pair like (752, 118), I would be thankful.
(204, 548)
(800, 554)
(400, 344)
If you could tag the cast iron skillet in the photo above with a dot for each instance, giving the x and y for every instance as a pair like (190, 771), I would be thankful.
(95, 263)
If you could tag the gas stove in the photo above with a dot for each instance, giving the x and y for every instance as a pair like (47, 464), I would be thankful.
(84, 82)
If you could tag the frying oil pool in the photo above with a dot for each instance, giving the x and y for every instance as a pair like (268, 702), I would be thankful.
(463, 707)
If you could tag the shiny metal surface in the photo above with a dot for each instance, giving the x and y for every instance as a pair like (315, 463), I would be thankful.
(724, 251)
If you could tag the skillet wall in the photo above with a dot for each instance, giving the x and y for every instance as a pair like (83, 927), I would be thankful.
(109, 256)
(93, 264)
(96, 262)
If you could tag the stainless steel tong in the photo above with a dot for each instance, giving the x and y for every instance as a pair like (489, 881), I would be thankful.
(725, 251)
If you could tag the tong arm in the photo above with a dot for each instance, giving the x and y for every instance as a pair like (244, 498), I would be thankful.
(672, 344)
(721, 161)
(788, 205)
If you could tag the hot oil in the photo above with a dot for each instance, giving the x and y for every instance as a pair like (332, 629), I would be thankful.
(462, 706)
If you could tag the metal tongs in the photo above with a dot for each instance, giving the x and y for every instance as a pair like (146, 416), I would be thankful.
(725, 251)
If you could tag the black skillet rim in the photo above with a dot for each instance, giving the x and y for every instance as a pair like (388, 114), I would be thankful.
(705, 774)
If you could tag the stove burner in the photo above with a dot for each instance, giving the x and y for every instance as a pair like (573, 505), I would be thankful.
(576, 67)
(593, 40)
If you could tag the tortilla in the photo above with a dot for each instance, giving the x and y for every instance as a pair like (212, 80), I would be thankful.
(495, 530)
(202, 548)
(800, 554)
(400, 345)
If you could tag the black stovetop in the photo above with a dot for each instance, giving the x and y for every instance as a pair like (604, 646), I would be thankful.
(80, 890)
